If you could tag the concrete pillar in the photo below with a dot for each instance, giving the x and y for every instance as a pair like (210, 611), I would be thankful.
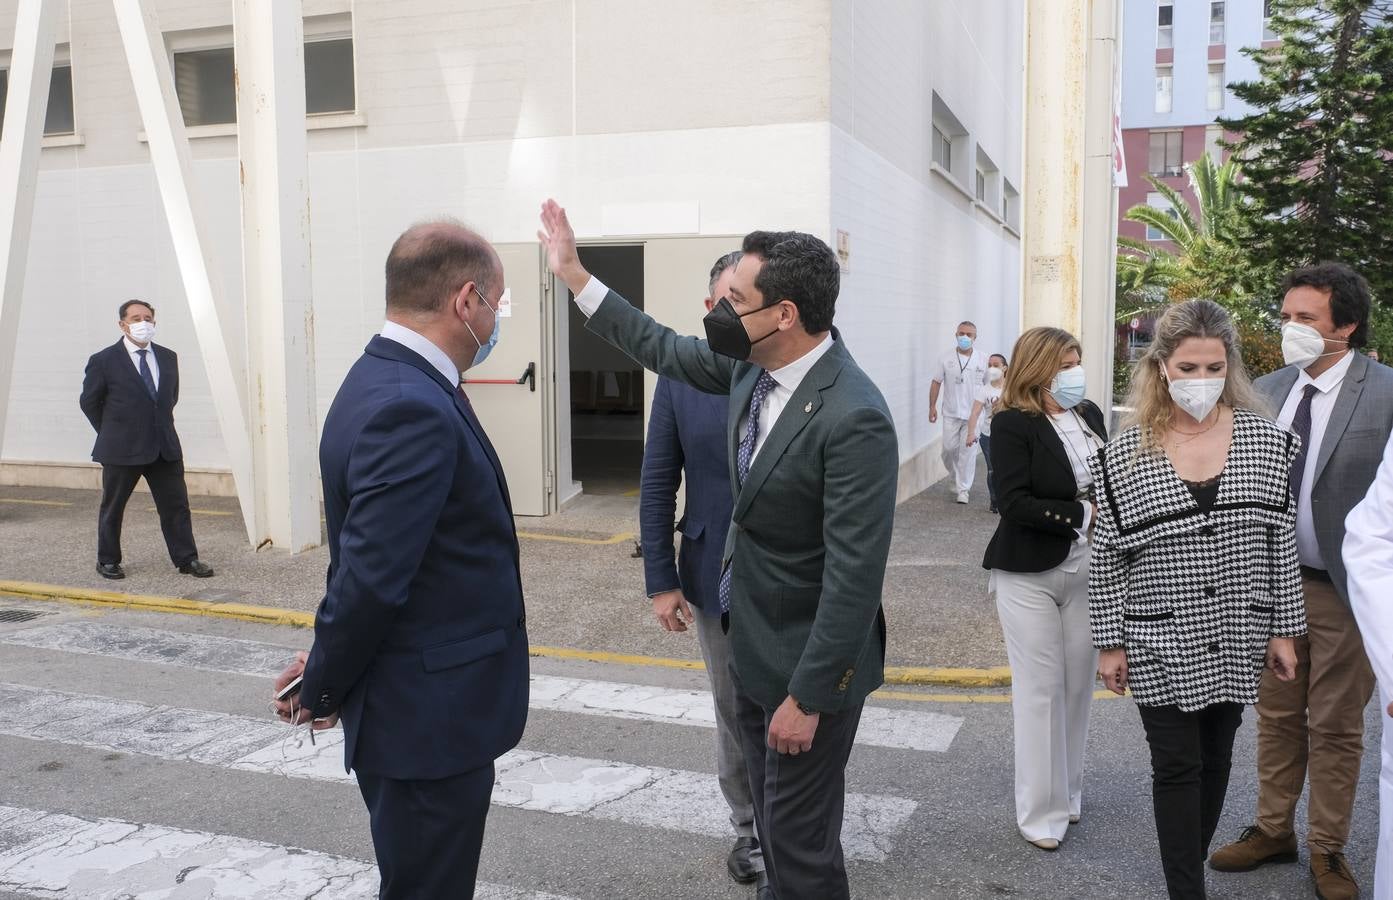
(269, 40)
(169, 152)
(21, 141)
(1069, 234)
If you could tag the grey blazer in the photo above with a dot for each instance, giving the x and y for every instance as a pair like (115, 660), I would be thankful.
(1350, 450)
(810, 531)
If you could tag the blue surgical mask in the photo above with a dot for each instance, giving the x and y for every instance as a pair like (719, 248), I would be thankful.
(485, 347)
(964, 342)
(1068, 387)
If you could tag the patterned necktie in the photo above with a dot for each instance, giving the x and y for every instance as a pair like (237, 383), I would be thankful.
(1301, 424)
(145, 373)
(743, 456)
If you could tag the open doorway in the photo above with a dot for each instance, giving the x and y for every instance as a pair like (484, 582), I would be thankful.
(606, 386)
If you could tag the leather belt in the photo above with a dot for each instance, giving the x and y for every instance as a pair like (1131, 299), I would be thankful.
(1314, 574)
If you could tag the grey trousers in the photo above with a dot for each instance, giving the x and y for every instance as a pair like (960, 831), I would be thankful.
(730, 761)
(799, 802)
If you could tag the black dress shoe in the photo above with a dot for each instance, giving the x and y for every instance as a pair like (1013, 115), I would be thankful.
(738, 862)
(111, 570)
(197, 569)
(763, 889)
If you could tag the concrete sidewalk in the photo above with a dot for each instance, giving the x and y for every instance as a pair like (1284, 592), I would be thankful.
(584, 587)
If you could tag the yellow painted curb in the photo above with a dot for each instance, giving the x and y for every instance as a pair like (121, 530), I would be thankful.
(269, 615)
(619, 538)
(243, 611)
(999, 676)
(624, 659)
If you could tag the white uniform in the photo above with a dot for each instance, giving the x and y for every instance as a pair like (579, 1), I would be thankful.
(1368, 555)
(960, 376)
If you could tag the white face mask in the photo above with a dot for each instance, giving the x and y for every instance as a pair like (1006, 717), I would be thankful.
(1069, 387)
(142, 332)
(1197, 396)
(1303, 345)
(995, 374)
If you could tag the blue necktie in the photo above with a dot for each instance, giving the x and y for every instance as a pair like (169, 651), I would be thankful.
(145, 374)
(1301, 424)
(743, 456)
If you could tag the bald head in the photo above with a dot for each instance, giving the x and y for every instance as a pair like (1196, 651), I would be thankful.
(432, 261)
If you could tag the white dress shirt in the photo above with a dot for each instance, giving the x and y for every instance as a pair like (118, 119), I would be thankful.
(1368, 554)
(1327, 390)
(1080, 444)
(134, 350)
(786, 379)
(422, 345)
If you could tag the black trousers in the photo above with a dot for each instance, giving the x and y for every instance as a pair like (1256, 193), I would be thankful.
(427, 834)
(798, 801)
(166, 481)
(1191, 753)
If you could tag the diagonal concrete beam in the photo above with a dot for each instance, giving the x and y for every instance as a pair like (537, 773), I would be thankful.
(169, 151)
(20, 144)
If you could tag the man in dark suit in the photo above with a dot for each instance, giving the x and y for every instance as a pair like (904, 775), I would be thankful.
(687, 436)
(128, 394)
(1340, 403)
(814, 459)
(420, 642)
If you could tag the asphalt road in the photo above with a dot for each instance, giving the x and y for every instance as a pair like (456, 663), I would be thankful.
(138, 755)
(583, 584)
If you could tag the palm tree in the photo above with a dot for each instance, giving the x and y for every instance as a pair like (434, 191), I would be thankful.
(1210, 259)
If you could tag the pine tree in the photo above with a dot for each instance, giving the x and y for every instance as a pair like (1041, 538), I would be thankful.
(1317, 149)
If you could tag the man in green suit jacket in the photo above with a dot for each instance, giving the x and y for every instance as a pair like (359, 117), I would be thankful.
(814, 460)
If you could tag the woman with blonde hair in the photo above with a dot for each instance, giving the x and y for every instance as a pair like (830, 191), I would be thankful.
(1195, 583)
(1043, 433)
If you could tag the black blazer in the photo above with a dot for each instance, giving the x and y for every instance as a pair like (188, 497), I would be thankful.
(1035, 490)
(132, 429)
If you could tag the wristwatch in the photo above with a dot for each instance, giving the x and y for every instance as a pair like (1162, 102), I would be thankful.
(805, 710)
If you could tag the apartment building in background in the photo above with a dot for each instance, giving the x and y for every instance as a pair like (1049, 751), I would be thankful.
(891, 129)
(1178, 59)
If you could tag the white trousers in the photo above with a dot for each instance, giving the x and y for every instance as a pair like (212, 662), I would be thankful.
(959, 459)
(1050, 645)
(1383, 869)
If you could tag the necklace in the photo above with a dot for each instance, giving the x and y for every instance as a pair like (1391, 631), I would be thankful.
(1191, 435)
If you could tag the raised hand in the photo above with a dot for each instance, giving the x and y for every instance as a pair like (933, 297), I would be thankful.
(559, 241)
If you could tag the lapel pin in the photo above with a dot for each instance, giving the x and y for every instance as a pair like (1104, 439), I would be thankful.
(809, 407)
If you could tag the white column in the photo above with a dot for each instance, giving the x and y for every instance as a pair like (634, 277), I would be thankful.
(169, 151)
(1069, 238)
(269, 40)
(21, 141)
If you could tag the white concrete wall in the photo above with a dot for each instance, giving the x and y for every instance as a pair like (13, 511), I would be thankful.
(698, 118)
(477, 109)
(924, 254)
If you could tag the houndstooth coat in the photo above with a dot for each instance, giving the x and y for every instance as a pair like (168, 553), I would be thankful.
(1194, 597)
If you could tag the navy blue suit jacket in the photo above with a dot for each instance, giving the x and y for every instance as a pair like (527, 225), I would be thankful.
(686, 432)
(420, 642)
(132, 429)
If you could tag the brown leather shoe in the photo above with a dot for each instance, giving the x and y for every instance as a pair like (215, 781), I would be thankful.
(1252, 849)
(1334, 881)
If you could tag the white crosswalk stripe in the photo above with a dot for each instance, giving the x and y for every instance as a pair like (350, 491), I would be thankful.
(880, 726)
(49, 854)
(565, 785)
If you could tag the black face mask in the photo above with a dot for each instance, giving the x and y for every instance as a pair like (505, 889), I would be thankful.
(726, 333)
